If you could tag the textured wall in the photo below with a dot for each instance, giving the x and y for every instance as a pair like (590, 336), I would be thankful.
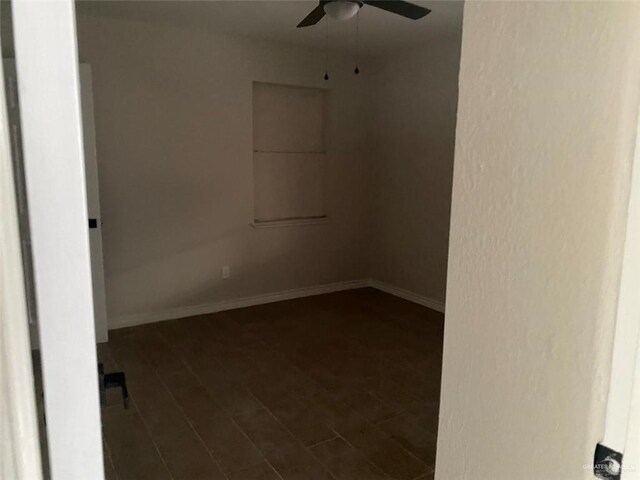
(546, 128)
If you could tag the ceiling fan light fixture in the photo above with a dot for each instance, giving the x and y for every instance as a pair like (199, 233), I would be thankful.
(341, 9)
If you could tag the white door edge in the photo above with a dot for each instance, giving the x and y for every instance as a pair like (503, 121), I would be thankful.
(47, 65)
(19, 440)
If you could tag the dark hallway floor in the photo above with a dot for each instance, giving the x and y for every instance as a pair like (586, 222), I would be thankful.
(339, 386)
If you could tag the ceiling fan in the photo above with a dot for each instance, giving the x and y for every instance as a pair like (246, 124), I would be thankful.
(345, 9)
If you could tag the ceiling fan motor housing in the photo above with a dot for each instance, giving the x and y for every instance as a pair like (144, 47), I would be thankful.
(342, 9)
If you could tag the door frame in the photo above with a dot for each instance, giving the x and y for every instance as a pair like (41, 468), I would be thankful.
(622, 419)
(93, 203)
(47, 66)
(622, 424)
(19, 445)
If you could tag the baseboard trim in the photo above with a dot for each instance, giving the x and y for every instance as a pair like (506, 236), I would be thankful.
(407, 295)
(203, 309)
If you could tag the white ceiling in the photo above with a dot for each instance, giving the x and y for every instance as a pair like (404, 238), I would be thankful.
(276, 20)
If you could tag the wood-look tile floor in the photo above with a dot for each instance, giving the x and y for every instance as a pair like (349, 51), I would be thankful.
(340, 386)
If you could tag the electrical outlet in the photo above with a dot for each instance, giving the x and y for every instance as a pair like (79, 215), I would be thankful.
(226, 272)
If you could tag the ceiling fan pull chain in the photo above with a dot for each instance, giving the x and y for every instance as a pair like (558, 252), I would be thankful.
(326, 49)
(357, 70)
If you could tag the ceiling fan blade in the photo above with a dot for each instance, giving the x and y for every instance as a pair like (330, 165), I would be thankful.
(405, 9)
(314, 17)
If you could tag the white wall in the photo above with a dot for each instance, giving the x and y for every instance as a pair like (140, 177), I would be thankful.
(173, 119)
(412, 132)
(174, 138)
(393, 132)
(546, 128)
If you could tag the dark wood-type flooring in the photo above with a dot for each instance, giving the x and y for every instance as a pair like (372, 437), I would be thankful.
(340, 386)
